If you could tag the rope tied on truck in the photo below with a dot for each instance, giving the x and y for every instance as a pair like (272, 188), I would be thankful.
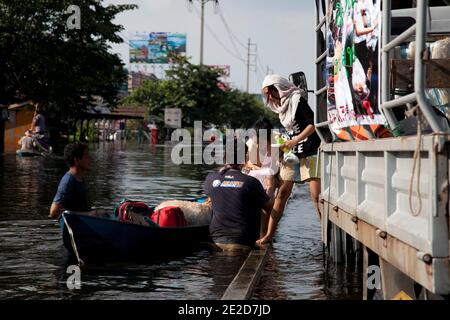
(415, 111)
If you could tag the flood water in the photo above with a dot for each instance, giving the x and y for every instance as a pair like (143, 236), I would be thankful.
(33, 261)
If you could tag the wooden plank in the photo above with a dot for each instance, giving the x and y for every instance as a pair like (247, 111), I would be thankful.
(437, 74)
(245, 281)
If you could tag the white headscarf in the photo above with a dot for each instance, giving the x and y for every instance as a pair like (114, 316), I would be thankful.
(290, 97)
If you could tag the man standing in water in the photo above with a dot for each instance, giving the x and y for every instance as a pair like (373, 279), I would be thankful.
(237, 203)
(72, 191)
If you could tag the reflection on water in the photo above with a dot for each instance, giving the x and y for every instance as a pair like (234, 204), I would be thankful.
(295, 269)
(33, 261)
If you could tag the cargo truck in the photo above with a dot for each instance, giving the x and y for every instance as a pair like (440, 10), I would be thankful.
(386, 196)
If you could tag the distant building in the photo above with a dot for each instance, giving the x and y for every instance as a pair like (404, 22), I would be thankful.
(16, 119)
(136, 79)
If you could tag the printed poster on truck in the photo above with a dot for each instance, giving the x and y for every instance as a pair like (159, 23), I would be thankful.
(352, 66)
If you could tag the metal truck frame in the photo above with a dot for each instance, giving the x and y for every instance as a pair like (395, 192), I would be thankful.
(367, 201)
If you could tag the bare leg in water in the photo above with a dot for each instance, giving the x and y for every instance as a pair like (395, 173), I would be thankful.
(278, 208)
(314, 189)
(271, 186)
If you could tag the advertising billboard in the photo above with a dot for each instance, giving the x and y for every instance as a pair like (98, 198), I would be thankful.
(225, 72)
(352, 66)
(156, 47)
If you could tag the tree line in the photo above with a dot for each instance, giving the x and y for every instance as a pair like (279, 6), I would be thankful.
(64, 69)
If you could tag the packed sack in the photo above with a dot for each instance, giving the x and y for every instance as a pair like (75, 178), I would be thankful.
(195, 213)
(169, 217)
(127, 209)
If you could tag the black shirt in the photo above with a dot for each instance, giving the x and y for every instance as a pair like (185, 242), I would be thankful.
(304, 116)
(237, 201)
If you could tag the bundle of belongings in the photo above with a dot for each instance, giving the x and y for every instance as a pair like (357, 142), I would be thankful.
(168, 214)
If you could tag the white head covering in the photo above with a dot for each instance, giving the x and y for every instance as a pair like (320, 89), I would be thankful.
(290, 97)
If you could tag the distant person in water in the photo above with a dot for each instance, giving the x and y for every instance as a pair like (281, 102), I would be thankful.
(26, 142)
(38, 125)
(72, 191)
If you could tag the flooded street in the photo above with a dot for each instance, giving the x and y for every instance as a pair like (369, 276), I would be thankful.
(33, 260)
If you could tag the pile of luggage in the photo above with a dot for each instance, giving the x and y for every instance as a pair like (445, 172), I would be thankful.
(169, 214)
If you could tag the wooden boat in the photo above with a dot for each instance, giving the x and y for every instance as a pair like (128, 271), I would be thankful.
(24, 154)
(105, 238)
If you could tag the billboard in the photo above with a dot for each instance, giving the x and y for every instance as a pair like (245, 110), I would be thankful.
(155, 47)
(352, 65)
(225, 72)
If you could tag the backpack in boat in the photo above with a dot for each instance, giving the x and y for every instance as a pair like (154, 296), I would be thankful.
(127, 207)
(169, 217)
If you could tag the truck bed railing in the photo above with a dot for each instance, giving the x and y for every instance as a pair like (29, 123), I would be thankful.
(420, 32)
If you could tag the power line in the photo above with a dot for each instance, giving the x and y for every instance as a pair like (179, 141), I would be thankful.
(220, 41)
(258, 64)
(230, 33)
(229, 29)
(202, 22)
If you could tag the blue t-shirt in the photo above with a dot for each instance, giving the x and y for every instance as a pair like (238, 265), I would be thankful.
(72, 194)
(237, 200)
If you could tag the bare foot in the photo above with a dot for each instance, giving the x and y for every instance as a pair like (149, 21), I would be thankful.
(263, 242)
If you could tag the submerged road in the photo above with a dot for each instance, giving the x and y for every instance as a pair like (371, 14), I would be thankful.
(33, 261)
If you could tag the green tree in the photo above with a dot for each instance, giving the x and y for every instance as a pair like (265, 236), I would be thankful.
(43, 60)
(196, 89)
(243, 109)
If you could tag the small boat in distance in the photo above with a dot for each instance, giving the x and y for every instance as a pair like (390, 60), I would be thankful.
(109, 239)
(24, 154)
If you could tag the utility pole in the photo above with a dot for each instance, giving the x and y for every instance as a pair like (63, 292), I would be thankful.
(202, 23)
(251, 52)
(202, 31)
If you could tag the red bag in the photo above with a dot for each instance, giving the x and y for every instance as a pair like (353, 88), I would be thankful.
(128, 206)
(169, 217)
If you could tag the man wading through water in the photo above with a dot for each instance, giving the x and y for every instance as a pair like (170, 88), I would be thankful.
(73, 194)
(237, 201)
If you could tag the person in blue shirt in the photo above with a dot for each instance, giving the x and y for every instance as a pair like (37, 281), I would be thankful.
(72, 191)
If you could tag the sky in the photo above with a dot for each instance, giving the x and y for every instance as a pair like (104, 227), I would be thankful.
(283, 31)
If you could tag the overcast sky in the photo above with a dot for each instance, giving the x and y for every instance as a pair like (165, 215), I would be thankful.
(282, 29)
